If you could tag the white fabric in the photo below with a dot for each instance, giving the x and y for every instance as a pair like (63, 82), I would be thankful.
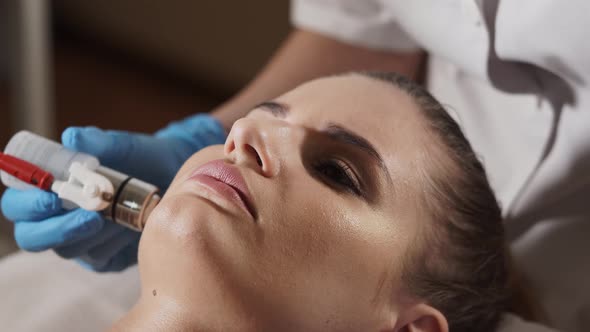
(515, 75)
(43, 292)
(358, 22)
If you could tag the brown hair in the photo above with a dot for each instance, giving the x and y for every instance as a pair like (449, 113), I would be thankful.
(462, 265)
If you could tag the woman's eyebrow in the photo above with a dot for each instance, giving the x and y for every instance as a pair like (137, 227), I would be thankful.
(335, 132)
(346, 136)
(277, 109)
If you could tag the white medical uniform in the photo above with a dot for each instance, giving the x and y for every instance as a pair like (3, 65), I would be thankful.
(516, 75)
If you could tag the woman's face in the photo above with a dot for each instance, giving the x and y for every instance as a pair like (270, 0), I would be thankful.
(303, 219)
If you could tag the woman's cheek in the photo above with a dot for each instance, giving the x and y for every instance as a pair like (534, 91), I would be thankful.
(315, 228)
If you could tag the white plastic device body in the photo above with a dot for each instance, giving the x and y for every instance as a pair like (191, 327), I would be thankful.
(81, 182)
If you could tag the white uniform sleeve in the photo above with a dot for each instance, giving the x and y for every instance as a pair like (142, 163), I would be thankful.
(364, 23)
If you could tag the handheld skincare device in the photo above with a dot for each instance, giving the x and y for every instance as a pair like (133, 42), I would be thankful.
(32, 161)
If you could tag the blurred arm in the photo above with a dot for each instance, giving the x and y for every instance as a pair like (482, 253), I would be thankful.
(307, 55)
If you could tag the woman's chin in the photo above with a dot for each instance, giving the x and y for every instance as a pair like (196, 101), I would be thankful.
(188, 247)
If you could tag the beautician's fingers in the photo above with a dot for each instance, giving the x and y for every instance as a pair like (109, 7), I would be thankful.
(77, 249)
(110, 147)
(123, 259)
(115, 245)
(128, 152)
(31, 205)
(58, 230)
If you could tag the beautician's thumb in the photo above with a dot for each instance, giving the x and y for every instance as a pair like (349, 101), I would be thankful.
(143, 156)
(109, 146)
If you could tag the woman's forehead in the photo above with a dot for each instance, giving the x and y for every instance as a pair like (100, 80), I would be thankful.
(378, 111)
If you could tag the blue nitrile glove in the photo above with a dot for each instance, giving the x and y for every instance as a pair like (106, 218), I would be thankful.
(99, 244)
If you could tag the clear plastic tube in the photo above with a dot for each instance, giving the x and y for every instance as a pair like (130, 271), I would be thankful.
(133, 199)
(47, 154)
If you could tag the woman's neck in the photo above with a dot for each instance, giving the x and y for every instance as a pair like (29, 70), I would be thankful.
(154, 316)
(167, 315)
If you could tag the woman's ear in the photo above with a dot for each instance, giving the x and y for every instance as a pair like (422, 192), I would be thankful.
(421, 318)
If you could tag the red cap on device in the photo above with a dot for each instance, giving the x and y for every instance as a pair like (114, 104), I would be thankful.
(25, 171)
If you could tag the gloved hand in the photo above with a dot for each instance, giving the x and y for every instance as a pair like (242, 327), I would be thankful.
(99, 244)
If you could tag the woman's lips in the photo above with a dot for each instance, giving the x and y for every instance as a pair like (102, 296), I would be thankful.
(226, 181)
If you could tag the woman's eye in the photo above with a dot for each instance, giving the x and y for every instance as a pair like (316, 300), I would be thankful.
(338, 173)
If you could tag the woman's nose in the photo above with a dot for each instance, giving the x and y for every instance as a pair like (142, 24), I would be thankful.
(249, 144)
